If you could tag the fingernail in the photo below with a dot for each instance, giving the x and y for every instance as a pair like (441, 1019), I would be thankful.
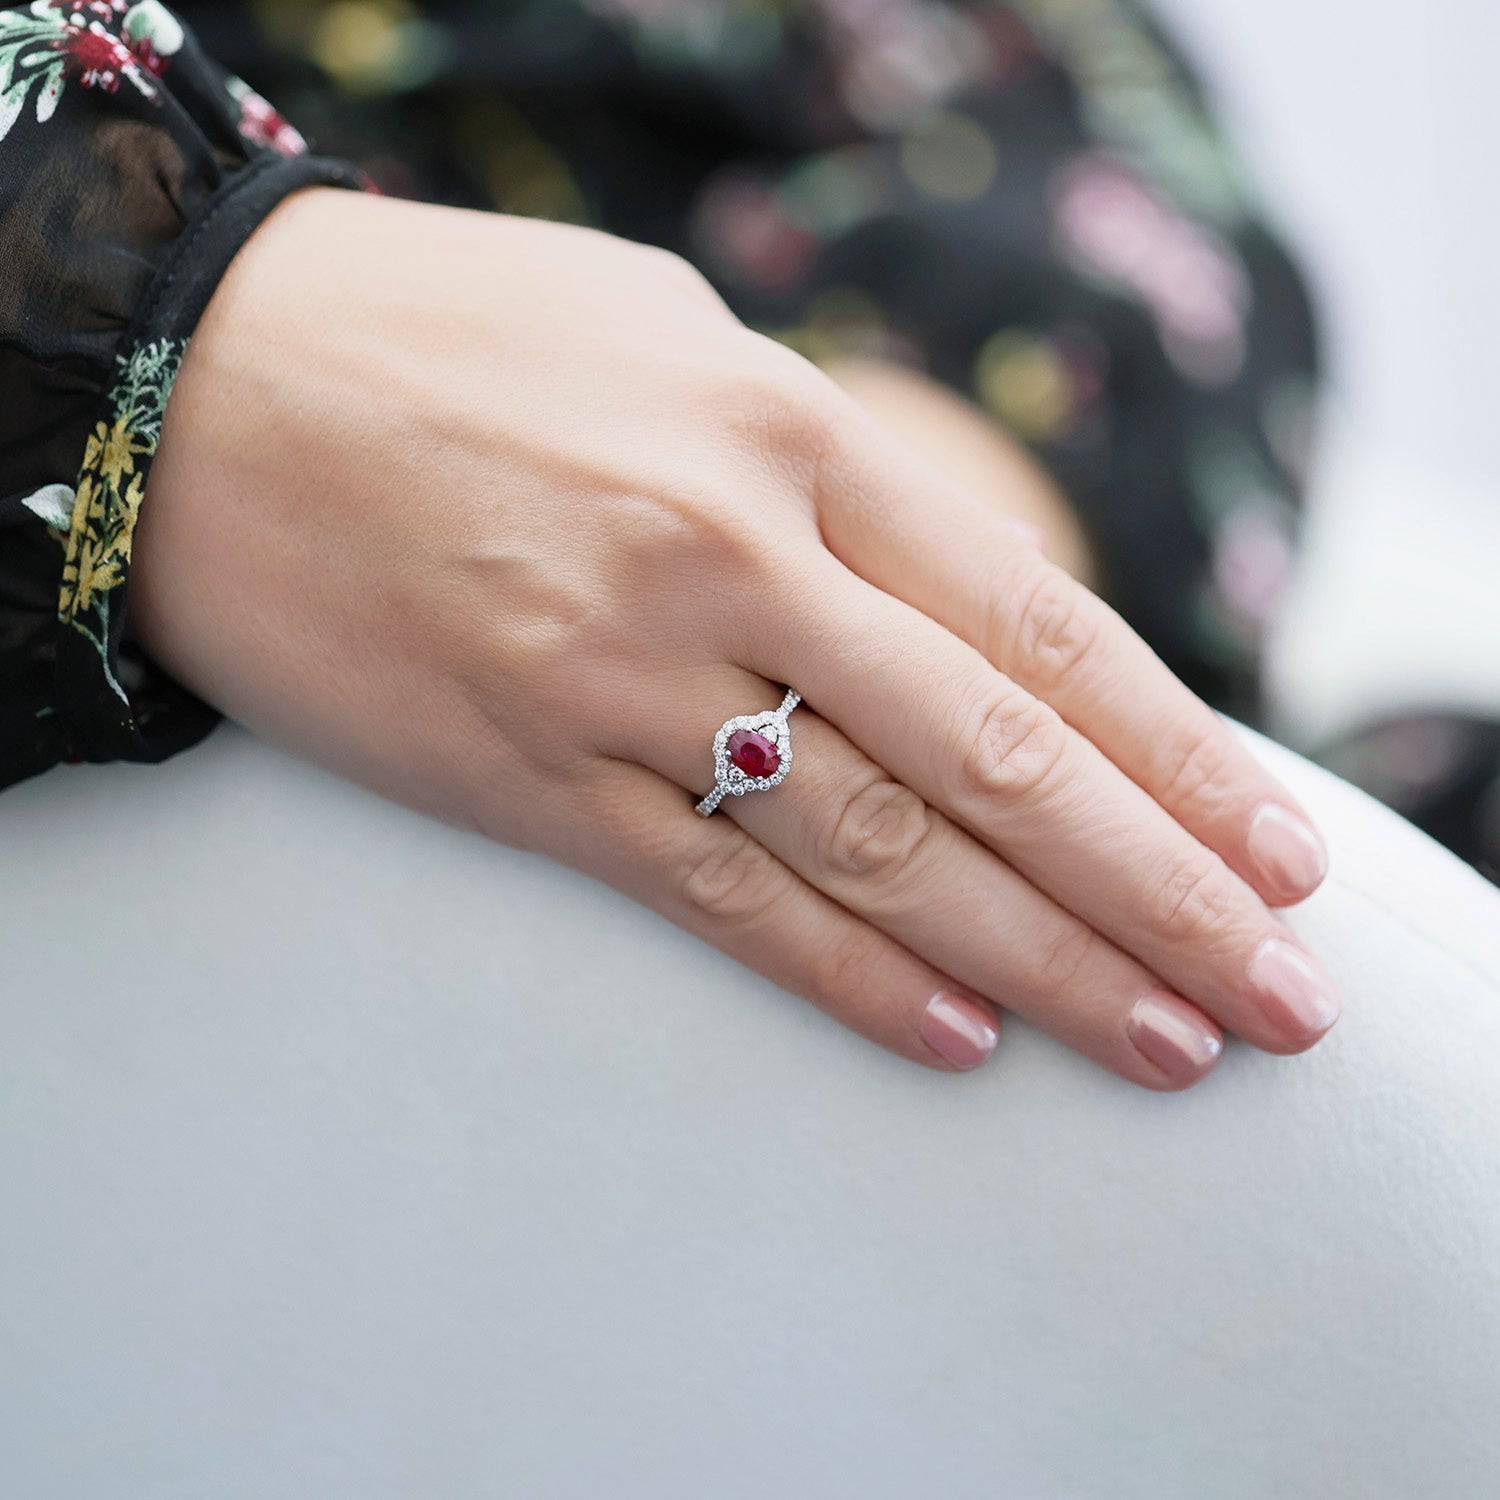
(1293, 989)
(1290, 857)
(1171, 1036)
(959, 1030)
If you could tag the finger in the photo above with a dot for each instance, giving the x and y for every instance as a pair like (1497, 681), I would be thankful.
(900, 527)
(1004, 765)
(876, 848)
(709, 876)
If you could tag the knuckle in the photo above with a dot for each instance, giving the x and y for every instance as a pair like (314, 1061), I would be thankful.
(1053, 632)
(792, 413)
(1194, 905)
(879, 834)
(1017, 750)
(839, 971)
(1062, 957)
(676, 268)
(736, 882)
(1197, 769)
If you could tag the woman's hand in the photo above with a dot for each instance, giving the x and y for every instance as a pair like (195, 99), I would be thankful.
(506, 518)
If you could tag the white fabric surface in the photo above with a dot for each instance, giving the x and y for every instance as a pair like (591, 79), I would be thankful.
(342, 1154)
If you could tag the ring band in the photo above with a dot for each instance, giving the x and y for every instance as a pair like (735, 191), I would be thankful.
(752, 753)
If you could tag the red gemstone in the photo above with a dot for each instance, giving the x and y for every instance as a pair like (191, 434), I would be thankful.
(753, 753)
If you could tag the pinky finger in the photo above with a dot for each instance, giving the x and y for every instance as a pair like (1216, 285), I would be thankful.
(710, 877)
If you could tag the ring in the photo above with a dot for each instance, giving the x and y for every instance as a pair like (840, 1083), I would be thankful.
(752, 753)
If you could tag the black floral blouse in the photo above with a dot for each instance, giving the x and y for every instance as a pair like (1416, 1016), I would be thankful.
(1027, 200)
(132, 168)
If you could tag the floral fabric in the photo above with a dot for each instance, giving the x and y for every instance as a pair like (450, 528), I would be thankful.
(96, 520)
(132, 168)
(1025, 199)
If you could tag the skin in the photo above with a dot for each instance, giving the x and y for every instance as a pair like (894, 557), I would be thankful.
(505, 518)
(971, 453)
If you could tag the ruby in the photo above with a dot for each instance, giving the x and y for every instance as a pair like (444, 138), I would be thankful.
(753, 753)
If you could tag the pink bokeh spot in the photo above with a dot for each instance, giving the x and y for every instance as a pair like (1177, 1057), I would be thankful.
(1192, 282)
(1252, 563)
(742, 225)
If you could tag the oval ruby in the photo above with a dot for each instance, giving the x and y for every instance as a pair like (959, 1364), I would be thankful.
(753, 753)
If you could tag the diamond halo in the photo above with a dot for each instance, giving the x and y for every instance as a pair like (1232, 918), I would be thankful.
(729, 779)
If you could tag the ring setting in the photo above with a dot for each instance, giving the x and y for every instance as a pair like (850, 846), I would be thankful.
(752, 753)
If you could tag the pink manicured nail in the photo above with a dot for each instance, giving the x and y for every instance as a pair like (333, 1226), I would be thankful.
(1173, 1037)
(959, 1030)
(1290, 857)
(1293, 989)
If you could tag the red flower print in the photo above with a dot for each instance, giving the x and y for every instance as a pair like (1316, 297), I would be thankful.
(262, 124)
(95, 58)
(103, 10)
(98, 58)
(148, 57)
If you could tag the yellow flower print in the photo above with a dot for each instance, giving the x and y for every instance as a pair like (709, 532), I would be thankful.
(118, 450)
(130, 510)
(96, 571)
(83, 504)
(111, 484)
(104, 515)
(86, 509)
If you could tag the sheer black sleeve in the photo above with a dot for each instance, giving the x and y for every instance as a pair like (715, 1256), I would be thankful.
(132, 169)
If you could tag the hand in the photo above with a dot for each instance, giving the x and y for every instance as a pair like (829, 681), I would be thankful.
(972, 452)
(506, 518)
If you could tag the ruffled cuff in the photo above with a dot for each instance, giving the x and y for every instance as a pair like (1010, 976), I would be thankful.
(132, 170)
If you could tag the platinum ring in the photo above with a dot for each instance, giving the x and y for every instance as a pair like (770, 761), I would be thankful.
(752, 753)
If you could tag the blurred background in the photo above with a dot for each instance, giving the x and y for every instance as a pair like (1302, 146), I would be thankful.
(1371, 134)
(883, 177)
